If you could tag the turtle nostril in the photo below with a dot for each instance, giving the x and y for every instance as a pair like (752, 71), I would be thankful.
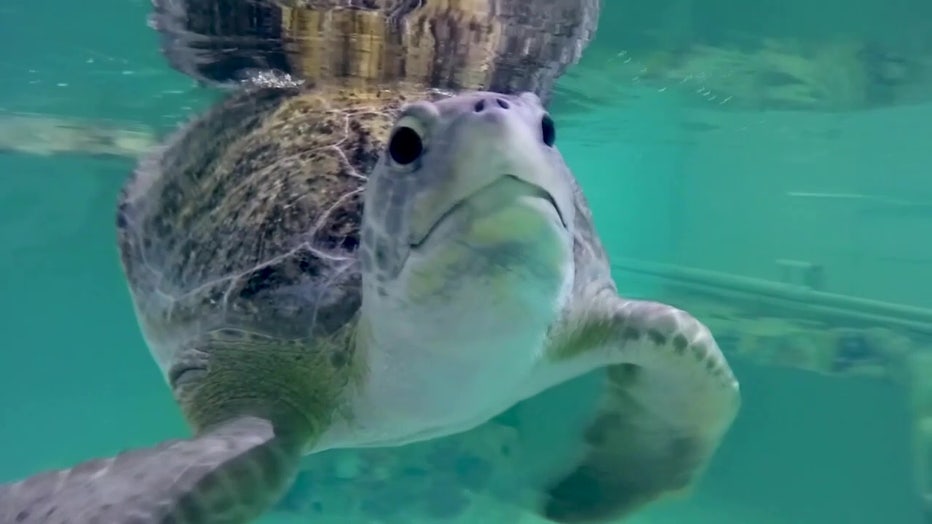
(481, 104)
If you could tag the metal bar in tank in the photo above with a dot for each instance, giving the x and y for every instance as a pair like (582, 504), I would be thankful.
(867, 308)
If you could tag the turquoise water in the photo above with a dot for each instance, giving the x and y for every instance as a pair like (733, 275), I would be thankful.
(716, 141)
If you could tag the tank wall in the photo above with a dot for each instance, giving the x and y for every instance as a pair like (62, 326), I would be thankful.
(849, 192)
(633, 150)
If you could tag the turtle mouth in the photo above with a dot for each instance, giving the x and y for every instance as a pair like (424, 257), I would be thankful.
(528, 189)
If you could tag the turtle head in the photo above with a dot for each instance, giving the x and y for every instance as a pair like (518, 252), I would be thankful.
(470, 186)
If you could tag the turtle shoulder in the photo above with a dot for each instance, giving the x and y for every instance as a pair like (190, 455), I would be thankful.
(592, 267)
(248, 218)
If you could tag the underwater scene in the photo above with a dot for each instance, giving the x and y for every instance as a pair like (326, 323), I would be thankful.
(527, 351)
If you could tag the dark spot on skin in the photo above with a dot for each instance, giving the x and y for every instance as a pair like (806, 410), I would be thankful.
(121, 215)
(631, 333)
(339, 359)
(656, 337)
(679, 344)
(381, 257)
(700, 352)
(22, 515)
(710, 364)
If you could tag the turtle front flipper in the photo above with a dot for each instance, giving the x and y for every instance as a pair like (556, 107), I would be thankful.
(230, 474)
(256, 404)
(669, 397)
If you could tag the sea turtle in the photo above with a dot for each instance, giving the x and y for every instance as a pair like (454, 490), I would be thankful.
(295, 305)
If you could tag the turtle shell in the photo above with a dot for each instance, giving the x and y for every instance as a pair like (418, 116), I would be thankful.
(248, 218)
(498, 45)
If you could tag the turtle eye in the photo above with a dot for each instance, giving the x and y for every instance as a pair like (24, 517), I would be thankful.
(405, 146)
(548, 131)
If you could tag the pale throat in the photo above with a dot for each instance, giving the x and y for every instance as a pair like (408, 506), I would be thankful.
(501, 276)
(456, 336)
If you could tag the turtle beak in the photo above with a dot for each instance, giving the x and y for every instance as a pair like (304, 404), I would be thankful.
(493, 194)
(545, 195)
